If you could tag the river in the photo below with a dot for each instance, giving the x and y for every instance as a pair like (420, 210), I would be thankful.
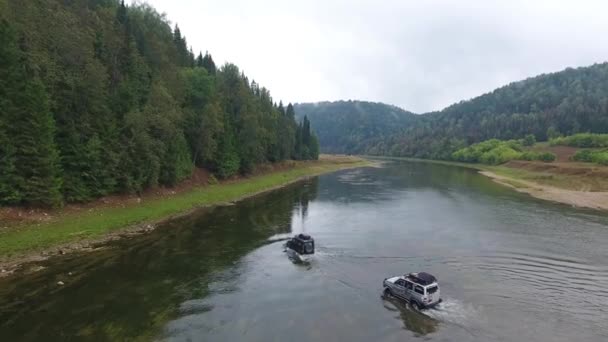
(510, 267)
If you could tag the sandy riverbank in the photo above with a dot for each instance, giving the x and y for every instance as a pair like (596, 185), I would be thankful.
(583, 199)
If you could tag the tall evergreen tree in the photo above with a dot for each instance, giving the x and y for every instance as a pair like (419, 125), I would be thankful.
(121, 13)
(208, 64)
(32, 160)
(9, 78)
(199, 60)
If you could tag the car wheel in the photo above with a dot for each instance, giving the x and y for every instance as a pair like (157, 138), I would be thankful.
(388, 293)
(415, 306)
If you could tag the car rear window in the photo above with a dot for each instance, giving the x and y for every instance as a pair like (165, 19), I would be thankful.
(431, 289)
(419, 289)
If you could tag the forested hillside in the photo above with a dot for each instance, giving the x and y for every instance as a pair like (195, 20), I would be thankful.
(97, 98)
(347, 126)
(562, 103)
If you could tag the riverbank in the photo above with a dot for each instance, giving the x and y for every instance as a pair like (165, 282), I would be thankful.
(577, 184)
(71, 229)
(583, 199)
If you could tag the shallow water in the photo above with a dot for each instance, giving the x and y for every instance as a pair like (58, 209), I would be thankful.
(511, 268)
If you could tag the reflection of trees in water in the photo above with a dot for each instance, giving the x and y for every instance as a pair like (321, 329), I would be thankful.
(309, 192)
(413, 321)
(131, 289)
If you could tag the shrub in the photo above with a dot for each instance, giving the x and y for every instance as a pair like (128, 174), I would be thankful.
(542, 156)
(583, 156)
(529, 140)
(590, 156)
(499, 155)
(582, 140)
(546, 157)
(496, 152)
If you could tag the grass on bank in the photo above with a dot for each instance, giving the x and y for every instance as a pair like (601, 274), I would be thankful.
(91, 224)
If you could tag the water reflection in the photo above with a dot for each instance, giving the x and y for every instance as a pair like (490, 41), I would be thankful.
(417, 322)
(131, 288)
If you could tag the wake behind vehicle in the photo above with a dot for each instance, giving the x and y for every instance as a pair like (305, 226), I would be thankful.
(300, 248)
(421, 289)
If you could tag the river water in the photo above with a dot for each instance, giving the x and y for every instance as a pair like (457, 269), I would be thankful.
(511, 268)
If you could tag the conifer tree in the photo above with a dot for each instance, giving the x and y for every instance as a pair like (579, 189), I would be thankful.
(199, 60)
(9, 76)
(208, 64)
(32, 160)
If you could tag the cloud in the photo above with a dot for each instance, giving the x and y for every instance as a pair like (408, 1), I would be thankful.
(420, 55)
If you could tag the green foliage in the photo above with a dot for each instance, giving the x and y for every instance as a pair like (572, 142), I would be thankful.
(552, 133)
(495, 152)
(102, 97)
(582, 140)
(306, 145)
(529, 140)
(30, 171)
(207, 63)
(177, 164)
(227, 160)
(591, 156)
(499, 155)
(542, 156)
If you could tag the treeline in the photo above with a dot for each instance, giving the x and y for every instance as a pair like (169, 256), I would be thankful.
(547, 106)
(97, 97)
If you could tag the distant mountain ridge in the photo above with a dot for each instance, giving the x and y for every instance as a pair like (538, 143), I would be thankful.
(345, 126)
(564, 102)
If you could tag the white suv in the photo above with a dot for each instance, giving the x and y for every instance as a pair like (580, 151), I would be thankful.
(419, 289)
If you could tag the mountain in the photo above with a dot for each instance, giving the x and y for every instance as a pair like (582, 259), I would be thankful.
(565, 102)
(98, 97)
(349, 126)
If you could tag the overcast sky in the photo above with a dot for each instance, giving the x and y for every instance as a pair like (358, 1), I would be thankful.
(420, 55)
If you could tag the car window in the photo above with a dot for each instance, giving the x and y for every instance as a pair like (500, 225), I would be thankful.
(409, 285)
(400, 282)
(431, 289)
(418, 289)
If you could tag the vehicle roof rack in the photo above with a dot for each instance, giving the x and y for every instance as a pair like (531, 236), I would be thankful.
(303, 236)
(422, 278)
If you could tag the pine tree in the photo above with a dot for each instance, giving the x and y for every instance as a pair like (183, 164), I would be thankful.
(121, 13)
(177, 164)
(9, 76)
(31, 130)
(37, 160)
(208, 64)
(199, 60)
(227, 160)
(184, 58)
(314, 148)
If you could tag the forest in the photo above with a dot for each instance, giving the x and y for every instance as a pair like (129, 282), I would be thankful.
(347, 126)
(546, 106)
(98, 97)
